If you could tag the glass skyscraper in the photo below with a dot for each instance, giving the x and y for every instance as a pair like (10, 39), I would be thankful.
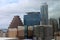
(32, 18)
(44, 14)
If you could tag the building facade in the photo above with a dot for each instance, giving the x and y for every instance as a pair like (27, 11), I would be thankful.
(44, 14)
(13, 27)
(43, 32)
(12, 32)
(54, 23)
(32, 18)
(1, 33)
(20, 33)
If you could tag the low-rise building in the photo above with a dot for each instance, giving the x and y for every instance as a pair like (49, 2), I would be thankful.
(12, 32)
(1, 33)
(30, 32)
(20, 33)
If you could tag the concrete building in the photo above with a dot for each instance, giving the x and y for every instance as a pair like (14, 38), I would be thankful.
(54, 24)
(32, 18)
(43, 32)
(30, 32)
(48, 32)
(44, 14)
(12, 32)
(1, 33)
(4, 32)
(20, 33)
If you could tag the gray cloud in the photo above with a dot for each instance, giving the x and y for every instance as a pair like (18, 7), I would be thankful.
(8, 10)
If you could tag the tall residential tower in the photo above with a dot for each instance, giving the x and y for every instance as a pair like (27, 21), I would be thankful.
(44, 14)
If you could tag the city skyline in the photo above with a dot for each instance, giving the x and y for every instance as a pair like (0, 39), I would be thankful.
(10, 8)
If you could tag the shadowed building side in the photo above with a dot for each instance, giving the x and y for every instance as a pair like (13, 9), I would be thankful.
(16, 22)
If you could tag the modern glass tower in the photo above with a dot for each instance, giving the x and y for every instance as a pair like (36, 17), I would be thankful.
(32, 18)
(44, 14)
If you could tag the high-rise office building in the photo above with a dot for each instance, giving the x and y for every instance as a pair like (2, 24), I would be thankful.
(44, 14)
(32, 18)
(16, 22)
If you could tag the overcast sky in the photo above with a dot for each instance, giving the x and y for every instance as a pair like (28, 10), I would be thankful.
(9, 8)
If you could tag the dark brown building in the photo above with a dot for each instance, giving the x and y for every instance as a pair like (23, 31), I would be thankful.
(16, 22)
